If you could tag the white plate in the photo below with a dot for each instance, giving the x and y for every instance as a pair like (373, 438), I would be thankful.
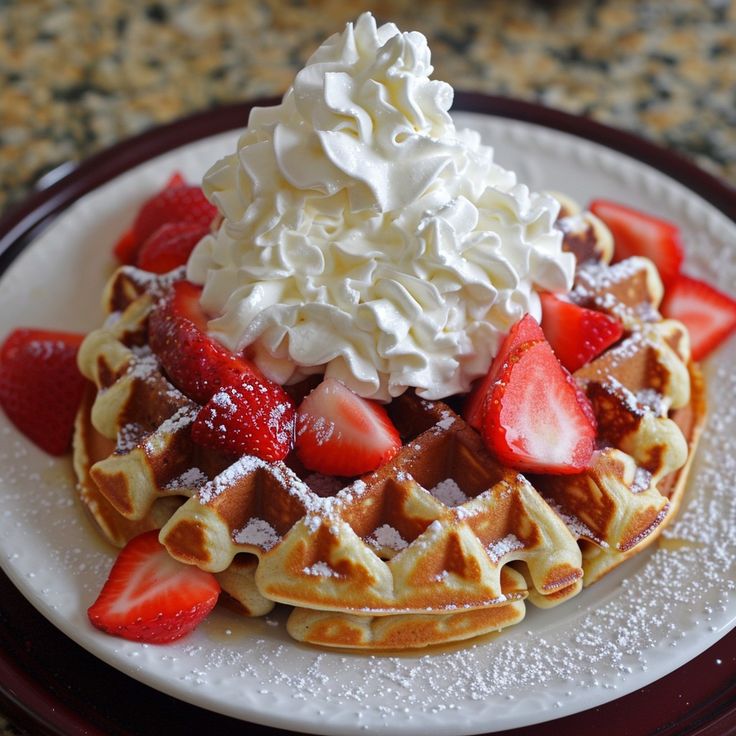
(650, 616)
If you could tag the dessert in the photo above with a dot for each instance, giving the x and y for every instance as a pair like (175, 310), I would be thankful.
(302, 429)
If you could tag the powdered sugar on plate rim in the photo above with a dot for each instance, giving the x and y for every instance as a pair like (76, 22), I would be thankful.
(653, 614)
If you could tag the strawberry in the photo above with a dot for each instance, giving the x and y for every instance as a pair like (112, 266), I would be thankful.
(255, 417)
(126, 248)
(341, 433)
(638, 234)
(709, 314)
(536, 419)
(176, 202)
(170, 246)
(40, 385)
(151, 597)
(525, 330)
(195, 363)
(577, 335)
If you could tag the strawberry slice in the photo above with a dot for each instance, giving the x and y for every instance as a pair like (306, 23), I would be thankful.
(576, 334)
(151, 597)
(40, 385)
(708, 314)
(176, 202)
(536, 418)
(169, 246)
(639, 234)
(341, 433)
(195, 363)
(126, 248)
(527, 329)
(253, 418)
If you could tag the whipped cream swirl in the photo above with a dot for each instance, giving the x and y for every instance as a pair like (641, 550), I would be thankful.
(365, 237)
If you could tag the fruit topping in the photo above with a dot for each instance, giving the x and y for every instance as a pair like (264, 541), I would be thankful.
(243, 411)
(169, 246)
(709, 314)
(151, 597)
(195, 363)
(527, 329)
(576, 334)
(536, 418)
(253, 418)
(639, 234)
(176, 202)
(341, 433)
(40, 385)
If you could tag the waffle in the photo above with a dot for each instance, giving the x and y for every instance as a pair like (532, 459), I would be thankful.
(441, 543)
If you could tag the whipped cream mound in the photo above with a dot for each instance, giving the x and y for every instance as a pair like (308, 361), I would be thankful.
(363, 236)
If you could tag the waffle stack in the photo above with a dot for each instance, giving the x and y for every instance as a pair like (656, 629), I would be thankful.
(440, 544)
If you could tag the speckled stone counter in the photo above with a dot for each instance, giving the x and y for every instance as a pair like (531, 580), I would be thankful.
(78, 75)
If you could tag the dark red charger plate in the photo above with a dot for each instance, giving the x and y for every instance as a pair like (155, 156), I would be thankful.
(51, 685)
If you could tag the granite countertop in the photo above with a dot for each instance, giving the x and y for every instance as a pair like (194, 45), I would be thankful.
(79, 75)
(666, 71)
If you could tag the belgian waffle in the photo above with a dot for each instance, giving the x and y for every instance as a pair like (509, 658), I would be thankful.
(442, 543)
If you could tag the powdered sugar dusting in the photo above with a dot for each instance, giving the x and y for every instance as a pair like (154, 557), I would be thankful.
(129, 436)
(144, 364)
(387, 537)
(578, 528)
(505, 546)
(191, 478)
(449, 493)
(320, 569)
(259, 533)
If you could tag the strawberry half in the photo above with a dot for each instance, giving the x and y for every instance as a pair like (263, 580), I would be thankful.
(151, 597)
(708, 314)
(527, 329)
(176, 202)
(170, 246)
(536, 419)
(196, 364)
(253, 418)
(40, 385)
(639, 234)
(341, 433)
(576, 334)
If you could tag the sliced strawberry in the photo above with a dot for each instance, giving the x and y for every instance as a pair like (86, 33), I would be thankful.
(176, 202)
(639, 234)
(169, 246)
(151, 597)
(40, 385)
(536, 419)
(254, 418)
(527, 329)
(708, 314)
(196, 364)
(341, 433)
(577, 335)
(126, 248)
(175, 180)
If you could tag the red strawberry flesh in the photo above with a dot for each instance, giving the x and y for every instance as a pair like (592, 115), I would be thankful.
(637, 233)
(527, 329)
(195, 363)
(709, 314)
(576, 334)
(170, 246)
(536, 419)
(151, 597)
(341, 433)
(177, 202)
(40, 385)
(255, 417)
